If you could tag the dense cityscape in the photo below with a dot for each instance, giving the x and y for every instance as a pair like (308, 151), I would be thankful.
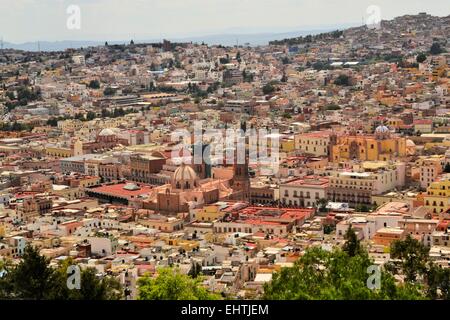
(320, 169)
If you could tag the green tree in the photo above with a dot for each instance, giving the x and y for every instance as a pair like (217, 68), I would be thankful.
(436, 48)
(342, 80)
(171, 284)
(333, 107)
(94, 288)
(414, 257)
(319, 65)
(118, 112)
(268, 88)
(224, 60)
(79, 116)
(324, 275)
(352, 244)
(53, 122)
(6, 285)
(322, 204)
(328, 229)
(447, 167)
(421, 57)
(90, 115)
(94, 84)
(196, 270)
(438, 281)
(106, 113)
(109, 91)
(32, 279)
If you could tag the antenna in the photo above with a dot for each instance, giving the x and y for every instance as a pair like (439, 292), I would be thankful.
(1, 42)
(39, 46)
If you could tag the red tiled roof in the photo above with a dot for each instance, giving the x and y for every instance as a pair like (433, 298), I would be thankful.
(119, 191)
(257, 221)
(317, 134)
(423, 121)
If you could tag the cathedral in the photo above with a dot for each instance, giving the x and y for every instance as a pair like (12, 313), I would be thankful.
(192, 187)
(380, 146)
(186, 191)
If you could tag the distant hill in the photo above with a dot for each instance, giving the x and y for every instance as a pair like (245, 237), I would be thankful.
(52, 46)
(230, 39)
(422, 24)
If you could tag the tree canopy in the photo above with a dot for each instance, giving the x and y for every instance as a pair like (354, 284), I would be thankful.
(334, 275)
(171, 284)
(421, 57)
(94, 84)
(34, 279)
(337, 275)
(268, 88)
(413, 255)
(436, 49)
(342, 80)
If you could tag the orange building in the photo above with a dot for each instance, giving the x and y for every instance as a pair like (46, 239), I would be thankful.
(385, 236)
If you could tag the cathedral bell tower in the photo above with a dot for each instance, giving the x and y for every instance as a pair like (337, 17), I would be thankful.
(241, 177)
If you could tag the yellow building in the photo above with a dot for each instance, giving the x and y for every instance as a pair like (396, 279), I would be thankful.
(208, 213)
(379, 146)
(283, 142)
(430, 145)
(59, 152)
(437, 198)
(89, 181)
(287, 145)
(187, 245)
(315, 143)
(70, 125)
(67, 192)
(395, 123)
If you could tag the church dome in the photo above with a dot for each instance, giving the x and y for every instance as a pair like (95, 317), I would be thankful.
(131, 187)
(184, 177)
(184, 173)
(410, 143)
(106, 132)
(382, 129)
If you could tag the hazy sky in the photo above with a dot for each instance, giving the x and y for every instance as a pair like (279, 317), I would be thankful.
(31, 20)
